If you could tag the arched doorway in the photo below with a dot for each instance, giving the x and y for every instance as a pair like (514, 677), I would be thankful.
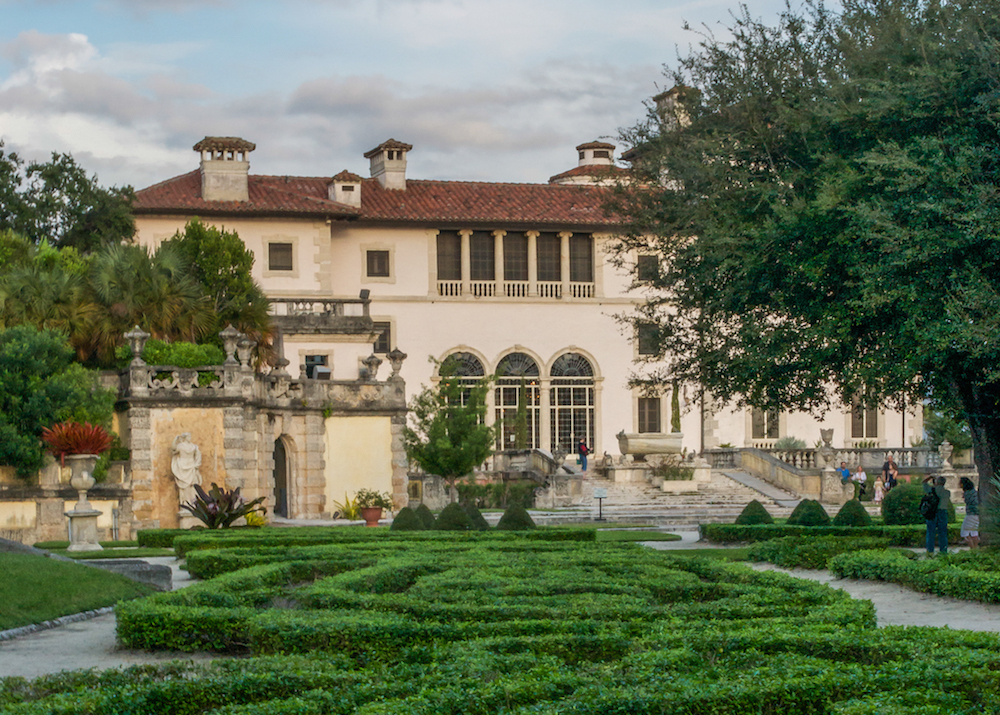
(280, 479)
(517, 379)
(571, 402)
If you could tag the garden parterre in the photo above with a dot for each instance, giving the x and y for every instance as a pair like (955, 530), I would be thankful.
(508, 625)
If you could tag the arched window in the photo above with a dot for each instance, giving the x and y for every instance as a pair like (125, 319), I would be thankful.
(571, 402)
(465, 366)
(517, 381)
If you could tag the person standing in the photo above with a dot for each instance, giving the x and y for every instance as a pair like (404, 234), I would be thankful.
(844, 472)
(582, 450)
(888, 467)
(879, 491)
(938, 525)
(893, 479)
(970, 525)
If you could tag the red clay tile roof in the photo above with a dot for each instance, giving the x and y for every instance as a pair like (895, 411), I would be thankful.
(595, 145)
(269, 196)
(425, 202)
(390, 144)
(222, 143)
(597, 171)
(346, 175)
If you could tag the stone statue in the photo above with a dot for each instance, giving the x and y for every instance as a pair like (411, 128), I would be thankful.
(185, 463)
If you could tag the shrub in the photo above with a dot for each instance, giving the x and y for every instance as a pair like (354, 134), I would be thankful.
(407, 520)
(176, 354)
(219, 508)
(809, 512)
(908, 535)
(852, 513)
(453, 518)
(426, 516)
(479, 522)
(789, 442)
(901, 505)
(809, 552)
(516, 518)
(754, 513)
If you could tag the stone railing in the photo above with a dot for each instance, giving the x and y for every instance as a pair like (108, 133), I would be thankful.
(331, 307)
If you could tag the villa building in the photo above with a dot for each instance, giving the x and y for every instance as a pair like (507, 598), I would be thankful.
(508, 279)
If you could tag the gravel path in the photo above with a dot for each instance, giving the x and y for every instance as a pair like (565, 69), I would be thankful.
(91, 643)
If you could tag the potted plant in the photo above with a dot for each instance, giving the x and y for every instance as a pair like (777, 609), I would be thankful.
(79, 444)
(372, 503)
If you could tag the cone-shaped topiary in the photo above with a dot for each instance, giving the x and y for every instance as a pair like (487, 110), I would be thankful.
(407, 520)
(516, 518)
(754, 513)
(453, 518)
(809, 512)
(426, 516)
(479, 522)
(852, 514)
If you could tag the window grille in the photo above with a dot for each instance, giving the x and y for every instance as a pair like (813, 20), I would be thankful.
(481, 256)
(571, 402)
(449, 256)
(649, 414)
(548, 250)
(378, 264)
(515, 257)
(581, 259)
(279, 256)
(513, 371)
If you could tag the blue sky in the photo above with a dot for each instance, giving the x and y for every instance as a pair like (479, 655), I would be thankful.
(495, 90)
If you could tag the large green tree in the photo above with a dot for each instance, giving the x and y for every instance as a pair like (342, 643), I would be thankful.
(39, 386)
(57, 200)
(448, 435)
(823, 194)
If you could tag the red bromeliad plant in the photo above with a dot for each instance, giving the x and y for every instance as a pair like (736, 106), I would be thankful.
(74, 438)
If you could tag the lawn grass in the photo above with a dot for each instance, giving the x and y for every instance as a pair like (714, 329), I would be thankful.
(130, 553)
(607, 536)
(35, 589)
(50, 545)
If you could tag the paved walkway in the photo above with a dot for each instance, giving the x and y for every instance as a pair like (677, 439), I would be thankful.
(91, 643)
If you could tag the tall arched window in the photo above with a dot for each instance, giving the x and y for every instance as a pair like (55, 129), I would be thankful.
(571, 402)
(466, 366)
(517, 380)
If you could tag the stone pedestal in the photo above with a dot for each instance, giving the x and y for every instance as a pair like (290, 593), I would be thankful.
(832, 488)
(187, 520)
(83, 529)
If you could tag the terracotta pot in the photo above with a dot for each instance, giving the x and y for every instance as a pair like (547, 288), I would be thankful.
(371, 515)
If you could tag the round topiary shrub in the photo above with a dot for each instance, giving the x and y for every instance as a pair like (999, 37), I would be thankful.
(407, 520)
(902, 505)
(453, 518)
(479, 522)
(516, 518)
(754, 513)
(426, 516)
(809, 512)
(852, 514)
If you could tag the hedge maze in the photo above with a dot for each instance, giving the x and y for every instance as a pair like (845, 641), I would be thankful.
(497, 623)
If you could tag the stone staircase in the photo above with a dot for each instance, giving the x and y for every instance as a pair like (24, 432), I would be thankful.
(719, 501)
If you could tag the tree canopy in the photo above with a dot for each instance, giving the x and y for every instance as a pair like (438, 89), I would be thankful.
(449, 436)
(823, 196)
(57, 201)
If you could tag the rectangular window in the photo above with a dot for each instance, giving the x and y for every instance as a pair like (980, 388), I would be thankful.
(647, 268)
(864, 419)
(312, 362)
(648, 339)
(383, 343)
(515, 257)
(482, 264)
(649, 414)
(378, 264)
(279, 256)
(449, 256)
(548, 250)
(581, 259)
(765, 424)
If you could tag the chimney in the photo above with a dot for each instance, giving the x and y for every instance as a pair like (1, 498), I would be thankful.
(673, 106)
(596, 154)
(388, 162)
(345, 188)
(225, 163)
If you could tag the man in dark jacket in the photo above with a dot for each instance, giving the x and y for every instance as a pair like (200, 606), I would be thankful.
(939, 524)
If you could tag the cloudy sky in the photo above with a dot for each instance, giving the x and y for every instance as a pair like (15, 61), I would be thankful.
(497, 90)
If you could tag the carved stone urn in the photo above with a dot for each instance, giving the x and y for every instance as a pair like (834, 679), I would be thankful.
(83, 518)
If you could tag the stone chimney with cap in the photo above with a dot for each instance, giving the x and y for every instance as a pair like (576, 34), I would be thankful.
(225, 163)
(388, 161)
(596, 154)
(345, 188)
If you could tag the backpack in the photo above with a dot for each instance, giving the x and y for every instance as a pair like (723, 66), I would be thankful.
(929, 504)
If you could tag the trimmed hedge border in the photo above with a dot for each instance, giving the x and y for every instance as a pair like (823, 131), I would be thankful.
(910, 535)
(958, 576)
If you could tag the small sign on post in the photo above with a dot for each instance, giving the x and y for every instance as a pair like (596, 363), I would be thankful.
(600, 494)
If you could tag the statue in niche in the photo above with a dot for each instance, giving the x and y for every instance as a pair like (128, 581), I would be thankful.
(184, 465)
